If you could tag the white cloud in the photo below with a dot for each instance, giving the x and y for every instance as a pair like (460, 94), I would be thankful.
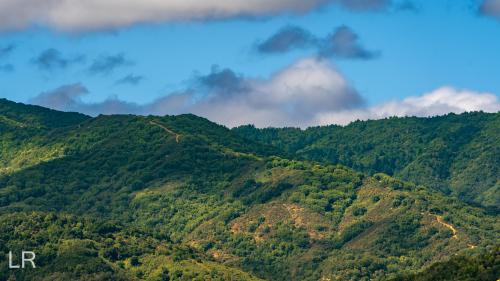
(441, 101)
(85, 15)
(107, 14)
(291, 97)
(308, 92)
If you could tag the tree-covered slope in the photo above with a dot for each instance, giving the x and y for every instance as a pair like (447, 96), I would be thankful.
(27, 134)
(31, 116)
(458, 154)
(181, 198)
(479, 266)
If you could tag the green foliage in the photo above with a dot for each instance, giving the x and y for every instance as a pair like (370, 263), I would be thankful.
(403, 234)
(123, 198)
(19, 115)
(354, 230)
(453, 153)
(484, 266)
(359, 211)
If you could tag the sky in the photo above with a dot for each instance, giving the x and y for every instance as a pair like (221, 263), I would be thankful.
(268, 63)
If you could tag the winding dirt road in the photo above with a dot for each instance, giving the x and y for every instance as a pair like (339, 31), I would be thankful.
(177, 136)
(449, 226)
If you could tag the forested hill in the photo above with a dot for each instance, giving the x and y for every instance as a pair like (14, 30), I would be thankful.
(456, 154)
(181, 198)
(20, 115)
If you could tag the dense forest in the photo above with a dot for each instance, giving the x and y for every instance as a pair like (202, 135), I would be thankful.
(181, 198)
(454, 154)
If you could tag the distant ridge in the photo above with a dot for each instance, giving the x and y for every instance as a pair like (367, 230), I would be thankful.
(457, 154)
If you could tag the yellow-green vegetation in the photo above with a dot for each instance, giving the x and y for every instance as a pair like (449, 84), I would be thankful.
(30, 154)
(182, 198)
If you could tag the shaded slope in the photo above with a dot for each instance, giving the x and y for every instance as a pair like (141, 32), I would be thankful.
(482, 266)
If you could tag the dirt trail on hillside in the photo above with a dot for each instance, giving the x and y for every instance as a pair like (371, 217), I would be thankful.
(177, 136)
(449, 226)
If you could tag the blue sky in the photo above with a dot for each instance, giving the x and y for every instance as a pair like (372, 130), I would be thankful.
(435, 44)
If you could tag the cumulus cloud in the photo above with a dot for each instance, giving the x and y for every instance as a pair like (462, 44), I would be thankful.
(342, 43)
(52, 59)
(130, 79)
(106, 64)
(291, 97)
(491, 8)
(77, 15)
(308, 92)
(438, 102)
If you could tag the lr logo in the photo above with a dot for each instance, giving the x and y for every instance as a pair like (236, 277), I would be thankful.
(26, 257)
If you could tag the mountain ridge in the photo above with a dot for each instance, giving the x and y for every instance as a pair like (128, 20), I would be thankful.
(131, 201)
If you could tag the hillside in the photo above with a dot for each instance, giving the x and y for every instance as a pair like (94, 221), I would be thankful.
(26, 133)
(32, 116)
(455, 154)
(480, 266)
(182, 198)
